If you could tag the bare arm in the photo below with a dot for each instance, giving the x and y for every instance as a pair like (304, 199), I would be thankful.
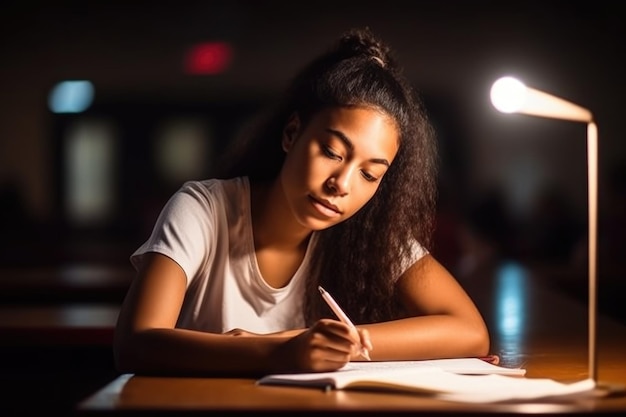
(444, 322)
(146, 340)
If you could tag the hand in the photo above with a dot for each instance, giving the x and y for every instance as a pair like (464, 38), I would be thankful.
(365, 344)
(326, 346)
(241, 333)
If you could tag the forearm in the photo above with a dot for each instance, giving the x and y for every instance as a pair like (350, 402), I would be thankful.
(428, 337)
(443, 322)
(179, 351)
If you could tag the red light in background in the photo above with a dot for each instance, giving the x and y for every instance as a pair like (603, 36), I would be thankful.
(208, 58)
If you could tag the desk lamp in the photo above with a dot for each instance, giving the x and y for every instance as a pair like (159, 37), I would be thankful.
(510, 95)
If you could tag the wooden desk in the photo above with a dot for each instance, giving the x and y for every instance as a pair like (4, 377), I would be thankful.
(531, 326)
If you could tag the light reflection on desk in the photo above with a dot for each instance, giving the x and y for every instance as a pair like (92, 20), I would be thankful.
(510, 303)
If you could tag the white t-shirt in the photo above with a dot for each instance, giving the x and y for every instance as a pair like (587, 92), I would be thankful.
(206, 227)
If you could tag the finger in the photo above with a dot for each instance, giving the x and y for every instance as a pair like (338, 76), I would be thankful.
(358, 342)
(323, 338)
(328, 364)
(336, 329)
(235, 332)
(326, 353)
(364, 337)
(358, 338)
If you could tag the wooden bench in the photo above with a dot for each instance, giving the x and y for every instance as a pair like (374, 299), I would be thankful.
(79, 283)
(58, 325)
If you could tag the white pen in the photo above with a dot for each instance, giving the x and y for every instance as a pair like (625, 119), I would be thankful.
(342, 316)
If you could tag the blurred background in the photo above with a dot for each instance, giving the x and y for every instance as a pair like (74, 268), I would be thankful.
(107, 107)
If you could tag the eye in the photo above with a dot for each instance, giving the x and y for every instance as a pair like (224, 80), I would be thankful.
(369, 177)
(330, 153)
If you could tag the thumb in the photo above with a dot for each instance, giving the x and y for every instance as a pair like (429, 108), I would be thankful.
(364, 337)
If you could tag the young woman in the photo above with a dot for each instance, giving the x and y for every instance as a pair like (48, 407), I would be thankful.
(335, 188)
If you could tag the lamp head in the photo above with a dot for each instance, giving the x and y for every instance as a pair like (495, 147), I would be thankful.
(510, 95)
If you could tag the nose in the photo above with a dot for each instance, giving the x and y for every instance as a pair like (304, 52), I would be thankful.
(339, 183)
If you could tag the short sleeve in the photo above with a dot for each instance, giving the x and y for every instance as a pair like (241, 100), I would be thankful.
(416, 252)
(183, 229)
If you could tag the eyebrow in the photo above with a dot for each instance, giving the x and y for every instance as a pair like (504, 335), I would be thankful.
(346, 140)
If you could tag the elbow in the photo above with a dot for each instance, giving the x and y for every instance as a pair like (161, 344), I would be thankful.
(478, 341)
(122, 360)
(124, 356)
(483, 345)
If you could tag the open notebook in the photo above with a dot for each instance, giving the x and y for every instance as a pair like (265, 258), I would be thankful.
(465, 380)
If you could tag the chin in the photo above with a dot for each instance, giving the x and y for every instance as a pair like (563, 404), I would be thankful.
(316, 225)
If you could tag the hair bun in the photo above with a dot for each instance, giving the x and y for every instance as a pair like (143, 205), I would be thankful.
(362, 41)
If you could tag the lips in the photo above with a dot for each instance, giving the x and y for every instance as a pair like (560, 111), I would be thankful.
(325, 207)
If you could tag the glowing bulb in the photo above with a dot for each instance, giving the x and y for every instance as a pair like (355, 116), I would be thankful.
(508, 94)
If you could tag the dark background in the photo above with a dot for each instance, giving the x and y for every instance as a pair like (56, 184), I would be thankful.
(512, 187)
(134, 54)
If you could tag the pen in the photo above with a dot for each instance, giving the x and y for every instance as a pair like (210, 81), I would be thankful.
(342, 316)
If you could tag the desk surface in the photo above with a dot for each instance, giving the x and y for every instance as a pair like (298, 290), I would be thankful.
(531, 326)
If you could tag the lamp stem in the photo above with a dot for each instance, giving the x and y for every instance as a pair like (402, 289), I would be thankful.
(592, 178)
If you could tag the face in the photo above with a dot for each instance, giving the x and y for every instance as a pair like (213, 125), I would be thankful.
(335, 163)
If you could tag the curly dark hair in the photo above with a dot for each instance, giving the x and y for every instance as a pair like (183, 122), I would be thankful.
(360, 259)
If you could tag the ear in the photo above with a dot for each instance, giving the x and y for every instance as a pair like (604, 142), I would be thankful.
(290, 132)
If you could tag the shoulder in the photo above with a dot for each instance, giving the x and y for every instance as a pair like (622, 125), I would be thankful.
(214, 189)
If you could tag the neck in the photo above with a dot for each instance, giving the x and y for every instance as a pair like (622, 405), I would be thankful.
(273, 223)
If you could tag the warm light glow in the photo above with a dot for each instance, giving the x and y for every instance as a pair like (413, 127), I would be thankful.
(508, 94)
